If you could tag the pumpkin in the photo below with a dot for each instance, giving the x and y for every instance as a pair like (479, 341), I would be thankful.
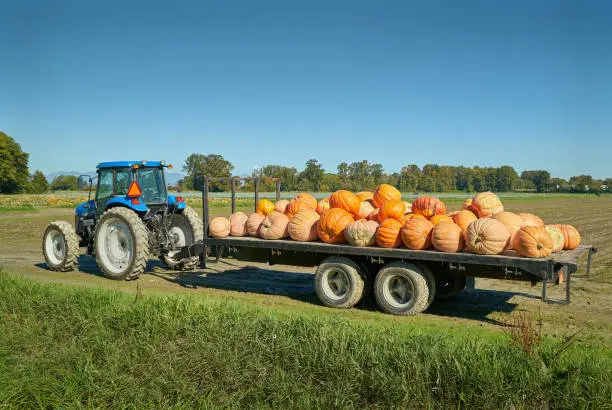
(373, 215)
(309, 199)
(365, 209)
(531, 219)
(533, 242)
(413, 216)
(452, 214)
(254, 223)
(281, 205)
(238, 222)
(385, 192)
(416, 233)
(332, 224)
(388, 234)
(571, 236)
(464, 218)
(365, 195)
(295, 206)
(486, 204)
(512, 222)
(361, 233)
(303, 226)
(467, 205)
(274, 226)
(487, 236)
(436, 219)
(219, 227)
(428, 206)
(408, 207)
(265, 206)
(557, 237)
(393, 208)
(447, 237)
(322, 206)
(345, 200)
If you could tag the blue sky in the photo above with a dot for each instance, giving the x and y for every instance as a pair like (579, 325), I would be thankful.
(484, 83)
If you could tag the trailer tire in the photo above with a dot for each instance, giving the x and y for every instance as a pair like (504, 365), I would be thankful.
(339, 282)
(186, 228)
(449, 287)
(60, 246)
(431, 283)
(402, 289)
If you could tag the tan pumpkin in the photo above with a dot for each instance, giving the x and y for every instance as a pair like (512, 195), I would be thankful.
(332, 224)
(281, 205)
(265, 206)
(388, 234)
(512, 222)
(486, 204)
(365, 195)
(571, 236)
(310, 200)
(531, 219)
(219, 227)
(557, 237)
(487, 236)
(408, 207)
(322, 206)
(463, 219)
(297, 205)
(254, 223)
(373, 215)
(361, 233)
(393, 208)
(416, 233)
(303, 226)
(238, 221)
(274, 226)
(533, 242)
(365, 209)
(428, 206)
(385, 192)
(436, 219)
(452, 214)
(447, 237)
(345, 200)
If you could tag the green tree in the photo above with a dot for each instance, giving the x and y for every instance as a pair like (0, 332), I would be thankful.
(39, 184)
(539, 178)
(506, 178)
(213, 166)
(331, 182)
(14, 175)
(581, 183)
(343, 174)
(312, 174)
(64, 183)
(411, 177)
(288, 177)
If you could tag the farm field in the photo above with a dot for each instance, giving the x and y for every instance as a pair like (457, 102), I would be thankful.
(283, 299)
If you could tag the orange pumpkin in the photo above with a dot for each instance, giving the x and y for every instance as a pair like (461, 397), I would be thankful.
(309, 199)
(464, 218)
(428, 206)
(487, 236)
(295, 206)
(281, 205)
(388, 234)
(533, 242)
(385, 192)
(265, 206)
(332, 224)
(486, 204)
(322, 206)
(416, 233)
(408, 207)
(531, 219)
(452, 214)
(365, 209)
(447, 237)
(557, 237)
(365, 195)
(238, 221)
(274, 226)
(571, 236)
(413, 216)
(303, 226)
(361, 233)
(467, 205)
(219, 227)
(345, 200)
(393, 208)
(436, 219)
(254, 223)
(512, 222)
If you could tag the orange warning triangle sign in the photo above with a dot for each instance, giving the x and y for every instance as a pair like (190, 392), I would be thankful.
(134, 190)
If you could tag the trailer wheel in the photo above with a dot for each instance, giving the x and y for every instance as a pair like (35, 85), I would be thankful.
(448, 287)
(339, 283)
(402, 289)
(431, 283)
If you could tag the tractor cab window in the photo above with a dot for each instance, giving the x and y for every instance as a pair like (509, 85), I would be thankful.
(123, 179)
(151, 181)
(105, 184)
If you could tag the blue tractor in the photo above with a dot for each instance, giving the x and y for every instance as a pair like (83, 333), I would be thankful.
(131, 218)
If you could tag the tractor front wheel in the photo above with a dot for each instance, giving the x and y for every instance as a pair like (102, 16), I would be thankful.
(121, 244)
(60, 246)
(185, 229)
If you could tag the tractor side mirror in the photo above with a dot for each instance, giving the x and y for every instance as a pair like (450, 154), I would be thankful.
(83, 182)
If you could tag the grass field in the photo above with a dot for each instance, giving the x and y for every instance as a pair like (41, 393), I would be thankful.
(244, 334)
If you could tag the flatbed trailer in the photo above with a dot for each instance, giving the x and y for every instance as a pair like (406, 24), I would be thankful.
(403, 281)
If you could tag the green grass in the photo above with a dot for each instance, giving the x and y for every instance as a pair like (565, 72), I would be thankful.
(22, 208)
(63, 346)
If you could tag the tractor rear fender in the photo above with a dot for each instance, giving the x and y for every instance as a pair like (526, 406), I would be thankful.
(173, 202)
(139, 208)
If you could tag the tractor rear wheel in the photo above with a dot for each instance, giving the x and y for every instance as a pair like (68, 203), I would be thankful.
(121, 244)
(185, 229)
(60, 246)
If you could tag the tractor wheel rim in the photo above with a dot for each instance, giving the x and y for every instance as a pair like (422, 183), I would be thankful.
(398, 291)
(180, 232)
(55, 247)
(335, 283)
(117, 245)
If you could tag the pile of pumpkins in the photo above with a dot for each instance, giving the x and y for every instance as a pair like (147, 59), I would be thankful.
(382, 218)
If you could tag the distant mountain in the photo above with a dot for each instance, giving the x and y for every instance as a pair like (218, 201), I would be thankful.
(171, 177)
